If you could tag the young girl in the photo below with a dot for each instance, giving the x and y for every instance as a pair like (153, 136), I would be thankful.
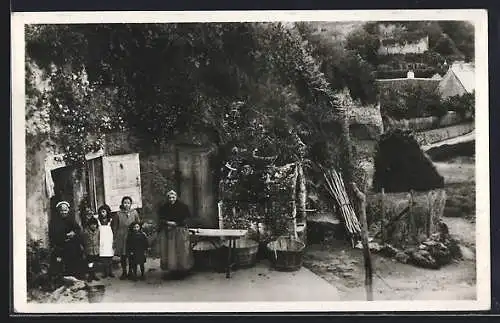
(121, 224)
(106, 252)
(137, 244)
(91, 247)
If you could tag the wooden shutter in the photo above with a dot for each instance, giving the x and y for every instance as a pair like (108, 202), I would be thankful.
(122, 177)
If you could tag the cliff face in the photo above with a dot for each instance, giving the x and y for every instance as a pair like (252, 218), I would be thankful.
(36, 151)
(37, 204)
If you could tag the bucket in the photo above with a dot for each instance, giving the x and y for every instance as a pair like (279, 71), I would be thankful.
(207, 255)
(286, 254)
(95, 293)
(245, 252)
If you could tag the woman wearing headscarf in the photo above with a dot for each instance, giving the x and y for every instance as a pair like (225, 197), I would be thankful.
(65, 240)
(120, 224)
(175, 245)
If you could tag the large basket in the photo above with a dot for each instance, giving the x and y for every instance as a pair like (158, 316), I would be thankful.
(286, 254)
(208, 255)
(245, 253)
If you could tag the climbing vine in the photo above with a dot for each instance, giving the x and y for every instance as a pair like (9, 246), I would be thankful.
(74, 113)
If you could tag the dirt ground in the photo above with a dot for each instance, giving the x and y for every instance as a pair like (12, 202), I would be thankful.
(342, 266)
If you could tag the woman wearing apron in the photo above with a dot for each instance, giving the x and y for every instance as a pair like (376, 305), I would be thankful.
(174, 238)
(120, 224)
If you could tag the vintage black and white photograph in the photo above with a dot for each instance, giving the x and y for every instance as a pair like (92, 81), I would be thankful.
(251, 161)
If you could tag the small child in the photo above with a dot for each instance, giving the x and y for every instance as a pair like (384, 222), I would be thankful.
(88, 215)
(106, 251)
(91, 247)
(137, 244)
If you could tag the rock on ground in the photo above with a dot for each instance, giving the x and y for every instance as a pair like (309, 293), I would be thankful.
(467, 254)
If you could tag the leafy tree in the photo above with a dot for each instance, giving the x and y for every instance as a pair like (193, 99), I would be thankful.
(343, 68)
(171, 78)
(446, 46)
(462, 34)
(422, 101)
(365, 44)
(434, 31)
(464, 105)
(411, 101)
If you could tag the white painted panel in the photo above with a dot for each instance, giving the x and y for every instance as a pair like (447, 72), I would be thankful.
(122, 177)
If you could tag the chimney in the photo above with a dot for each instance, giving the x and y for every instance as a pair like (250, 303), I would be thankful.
(410, 75)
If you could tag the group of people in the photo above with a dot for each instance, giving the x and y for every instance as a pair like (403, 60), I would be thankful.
(79, 248)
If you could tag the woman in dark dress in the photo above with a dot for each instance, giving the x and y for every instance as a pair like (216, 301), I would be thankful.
(65, 240)
(175, 244)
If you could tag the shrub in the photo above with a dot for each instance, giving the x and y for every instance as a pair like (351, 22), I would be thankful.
(464, 105)
(412, 100)
(37, 265)
(401, 165)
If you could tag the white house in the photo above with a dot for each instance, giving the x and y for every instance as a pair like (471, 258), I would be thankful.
(459, 80)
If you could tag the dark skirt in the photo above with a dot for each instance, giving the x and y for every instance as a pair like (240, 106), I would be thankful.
(72, 258)
(176, 254)
(137, 258)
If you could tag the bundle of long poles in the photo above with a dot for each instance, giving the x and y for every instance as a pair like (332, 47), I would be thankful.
(336, 188)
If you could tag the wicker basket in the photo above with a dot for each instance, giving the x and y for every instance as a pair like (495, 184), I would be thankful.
(208, 255)
(286, 254)
(245, 252)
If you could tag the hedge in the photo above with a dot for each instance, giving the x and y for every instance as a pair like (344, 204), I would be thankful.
(419, 73)
(401, 165)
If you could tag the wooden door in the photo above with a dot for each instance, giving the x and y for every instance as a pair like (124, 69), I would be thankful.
(122, 177)
(196, 187)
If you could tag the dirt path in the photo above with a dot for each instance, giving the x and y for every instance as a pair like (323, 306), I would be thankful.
(452, 141)
(343, 267)
(258, 283)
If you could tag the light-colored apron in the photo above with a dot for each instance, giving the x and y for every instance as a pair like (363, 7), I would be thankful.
(175, 249)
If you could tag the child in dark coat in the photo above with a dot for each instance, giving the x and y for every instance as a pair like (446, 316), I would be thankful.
(137, 244)
(91, 247)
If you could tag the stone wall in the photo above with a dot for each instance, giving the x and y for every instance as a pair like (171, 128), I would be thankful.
(425, 123)
(365, 128)
(437, 135)
(417, 47)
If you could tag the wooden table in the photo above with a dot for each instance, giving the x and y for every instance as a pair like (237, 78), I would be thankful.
(230, 234)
